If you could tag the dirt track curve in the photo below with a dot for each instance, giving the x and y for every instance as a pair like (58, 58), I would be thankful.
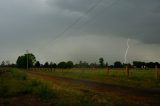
(151, 96)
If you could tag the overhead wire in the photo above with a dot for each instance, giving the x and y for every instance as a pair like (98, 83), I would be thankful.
(89, 10)
(110, 5)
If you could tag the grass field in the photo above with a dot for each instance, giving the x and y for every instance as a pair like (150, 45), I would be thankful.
(21, 87)
(17, 88)
(137, 77)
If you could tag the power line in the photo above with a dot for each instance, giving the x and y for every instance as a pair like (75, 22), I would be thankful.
(88, 11)
(78, 19)
(110, 5)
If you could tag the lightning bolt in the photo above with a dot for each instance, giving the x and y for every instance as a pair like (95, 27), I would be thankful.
(125, 56)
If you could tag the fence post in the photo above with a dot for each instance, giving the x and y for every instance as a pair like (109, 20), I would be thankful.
(156, 72)
(127, 71)
(107, 70)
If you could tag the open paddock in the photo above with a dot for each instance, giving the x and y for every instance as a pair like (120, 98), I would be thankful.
(137, 77)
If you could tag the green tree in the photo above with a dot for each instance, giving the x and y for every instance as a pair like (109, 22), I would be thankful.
(26, 60)
(46, 65)
(54, 65)
(118, 64)
(37, 64)
(62, 65)
(101, 61)
(139, 64)
(51, 64)
(69, 64)
(3, 63)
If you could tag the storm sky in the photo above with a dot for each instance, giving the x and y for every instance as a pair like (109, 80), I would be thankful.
(62, 30)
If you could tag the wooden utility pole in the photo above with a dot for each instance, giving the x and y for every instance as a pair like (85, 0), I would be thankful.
(27, 58)
(107, 70)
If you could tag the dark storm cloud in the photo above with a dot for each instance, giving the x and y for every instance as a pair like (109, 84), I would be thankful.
(137, 19)
(37, 24)
(72, 5)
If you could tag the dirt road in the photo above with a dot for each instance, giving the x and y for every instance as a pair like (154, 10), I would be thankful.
(150, 96)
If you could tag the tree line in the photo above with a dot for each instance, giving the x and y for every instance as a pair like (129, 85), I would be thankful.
(29, 61)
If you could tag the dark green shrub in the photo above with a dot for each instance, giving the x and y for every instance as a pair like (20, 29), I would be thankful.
(45, 92)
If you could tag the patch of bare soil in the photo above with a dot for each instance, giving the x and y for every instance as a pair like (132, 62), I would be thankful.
(25, 100)
(149, 96)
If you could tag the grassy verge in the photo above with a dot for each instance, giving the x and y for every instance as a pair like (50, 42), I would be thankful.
(16, 84)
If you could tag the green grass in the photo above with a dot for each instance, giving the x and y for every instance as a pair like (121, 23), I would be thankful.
(17, 83)
(137, 78)
(78, 94)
